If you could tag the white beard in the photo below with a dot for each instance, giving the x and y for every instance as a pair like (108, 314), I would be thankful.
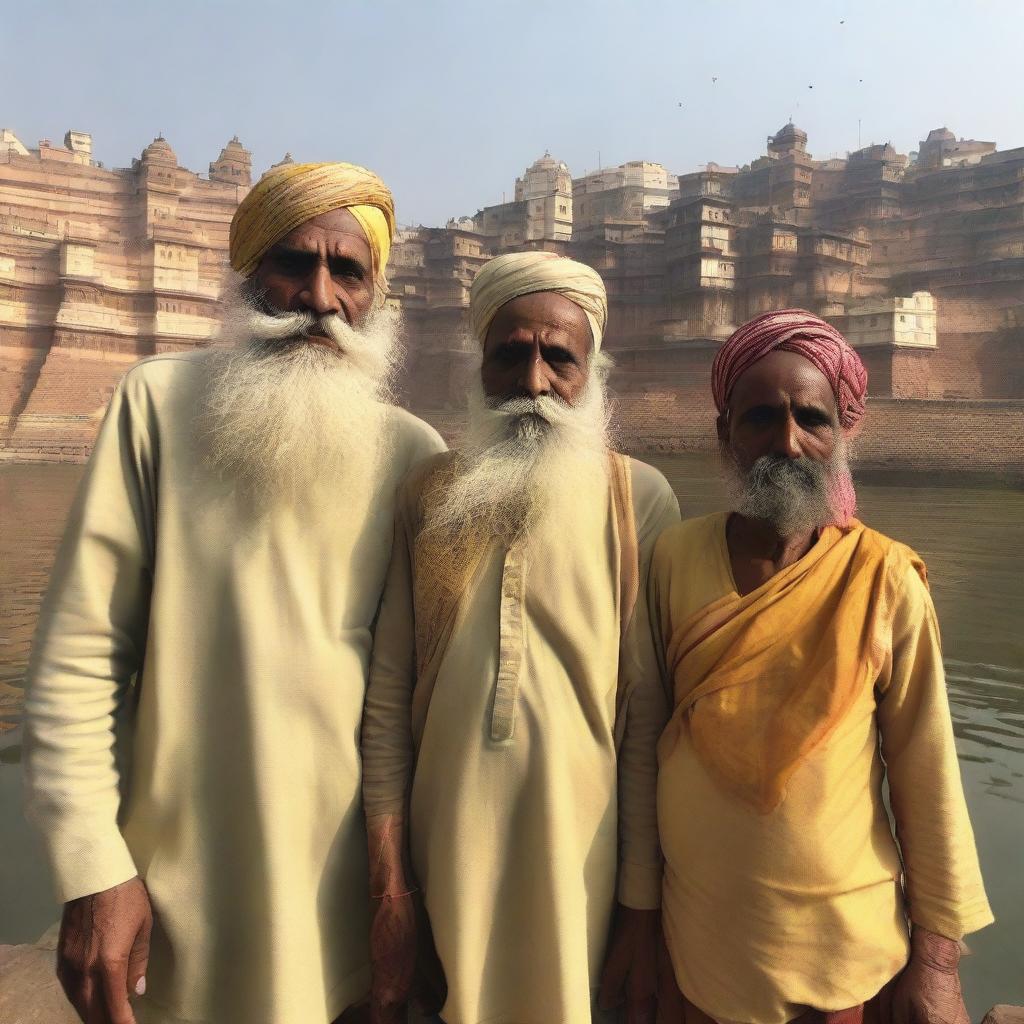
(526, 465)
(284, 417)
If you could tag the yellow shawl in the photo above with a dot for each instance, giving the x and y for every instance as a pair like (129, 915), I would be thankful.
(761, 681)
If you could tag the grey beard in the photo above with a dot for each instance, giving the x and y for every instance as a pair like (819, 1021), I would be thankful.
(792, 494)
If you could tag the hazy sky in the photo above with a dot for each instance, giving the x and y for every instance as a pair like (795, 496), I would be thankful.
(449, 100)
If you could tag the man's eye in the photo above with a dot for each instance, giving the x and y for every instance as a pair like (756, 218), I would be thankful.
(290, 264)
(813, 421)
(346, 269)
(507, 356)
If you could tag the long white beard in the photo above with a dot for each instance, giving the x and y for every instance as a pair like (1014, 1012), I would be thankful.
(526, 464)
(285, 417)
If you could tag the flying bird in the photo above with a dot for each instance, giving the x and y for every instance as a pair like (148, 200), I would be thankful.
(714, 78)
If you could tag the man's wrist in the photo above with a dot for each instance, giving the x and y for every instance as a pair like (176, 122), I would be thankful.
(933, 950)
(397, 894)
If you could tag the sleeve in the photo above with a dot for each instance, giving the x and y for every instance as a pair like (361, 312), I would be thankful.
(647, 712)
(658, 616)
(88, 646)
(945, 891)
(387, 744)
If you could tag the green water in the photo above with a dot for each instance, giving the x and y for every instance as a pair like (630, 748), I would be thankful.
(971, 538)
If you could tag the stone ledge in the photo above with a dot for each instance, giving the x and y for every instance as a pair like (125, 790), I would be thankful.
(30, 993)
(29, 990)
(1004, 1013)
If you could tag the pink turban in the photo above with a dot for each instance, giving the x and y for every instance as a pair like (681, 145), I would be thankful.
(794, 330)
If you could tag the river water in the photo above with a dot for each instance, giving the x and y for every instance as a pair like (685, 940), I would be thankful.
(971, 538)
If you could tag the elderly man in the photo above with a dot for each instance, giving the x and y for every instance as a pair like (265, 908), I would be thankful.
(212, 605)
(804, 658)
(508, 692)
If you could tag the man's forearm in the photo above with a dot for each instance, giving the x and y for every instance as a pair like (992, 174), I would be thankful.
(389, 874)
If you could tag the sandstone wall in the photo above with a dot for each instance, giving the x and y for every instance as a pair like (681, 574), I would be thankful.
(100, 267)
(943, 438)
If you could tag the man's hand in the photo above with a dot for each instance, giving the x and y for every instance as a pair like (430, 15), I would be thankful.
(671, 1004)
(393, 956)
(103, 951)
(928, 989)
(630, 971)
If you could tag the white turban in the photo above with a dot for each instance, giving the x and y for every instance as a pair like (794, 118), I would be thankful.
(521, 273)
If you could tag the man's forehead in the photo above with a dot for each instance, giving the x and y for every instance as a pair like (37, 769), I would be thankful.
(543, 310)
(780, 374)
(339, 226)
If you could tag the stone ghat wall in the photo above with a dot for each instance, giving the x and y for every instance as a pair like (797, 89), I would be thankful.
(930, 437)
(972, 437)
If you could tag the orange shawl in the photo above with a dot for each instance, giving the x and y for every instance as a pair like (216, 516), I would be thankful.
(762, 680)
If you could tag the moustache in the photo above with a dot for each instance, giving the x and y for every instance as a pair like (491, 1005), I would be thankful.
(299, 326)
(541, 411)
(777, 471)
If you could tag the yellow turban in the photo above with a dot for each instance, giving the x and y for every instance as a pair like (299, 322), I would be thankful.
(520, 273)
(288, 196)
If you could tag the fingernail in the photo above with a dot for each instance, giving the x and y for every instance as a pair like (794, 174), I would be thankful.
(140, 986)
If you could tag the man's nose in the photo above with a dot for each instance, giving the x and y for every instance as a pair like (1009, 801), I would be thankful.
(535, 380)
(319, 295)
(787, 439)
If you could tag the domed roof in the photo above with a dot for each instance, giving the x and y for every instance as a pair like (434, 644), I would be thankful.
(941, 135)
(548, 163)
(234, 146)
(788, 132)
(159, 151)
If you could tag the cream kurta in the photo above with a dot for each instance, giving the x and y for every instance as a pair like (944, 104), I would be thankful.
(514, 777)
(767, 914)
(250, 633)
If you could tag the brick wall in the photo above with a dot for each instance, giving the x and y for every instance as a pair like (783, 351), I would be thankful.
(665, 407)
(974, 436)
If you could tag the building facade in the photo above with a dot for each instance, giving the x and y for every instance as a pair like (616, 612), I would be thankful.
(918, 257)
(99, 268)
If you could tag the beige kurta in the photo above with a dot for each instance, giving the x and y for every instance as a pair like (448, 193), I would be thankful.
(504, 750)
(249, 630)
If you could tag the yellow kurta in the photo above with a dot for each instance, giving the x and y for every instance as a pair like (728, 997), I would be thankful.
(250, 634)
(509, 751)
(769, 913)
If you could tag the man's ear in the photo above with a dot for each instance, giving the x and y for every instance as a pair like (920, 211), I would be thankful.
(852, 433)
(722, 427)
